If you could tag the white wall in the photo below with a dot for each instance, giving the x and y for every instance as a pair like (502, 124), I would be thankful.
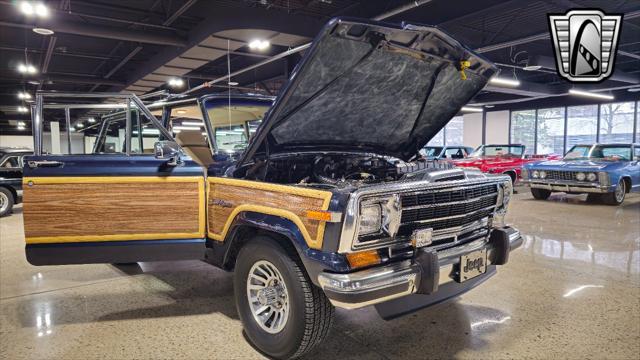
(472, 130)
(497, 127)
(16, 141)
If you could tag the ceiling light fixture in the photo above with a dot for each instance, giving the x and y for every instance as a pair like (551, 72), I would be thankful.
(79, 125)
(258, 44)
(232, 83)
(504, 82)
(192, 123)
(27, 69)
(21, 128)
(175, 82)
(43, 31)
(634, 89)
(29, 8)
(24, 95)
(22, 109)
(532, 68)
(590, 94)
(180, 112)
(489, 106)
(21, 123)
(187, 128)
(91, 120)
(471, 109)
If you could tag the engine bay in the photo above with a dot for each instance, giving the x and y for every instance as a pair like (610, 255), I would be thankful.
(337, 170)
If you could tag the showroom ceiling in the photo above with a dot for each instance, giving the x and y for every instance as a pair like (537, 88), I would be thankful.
(139, 45)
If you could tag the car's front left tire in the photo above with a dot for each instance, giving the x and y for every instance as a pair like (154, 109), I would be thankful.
(540, 194)
(617, 196)
(283, 313)
(6, 201)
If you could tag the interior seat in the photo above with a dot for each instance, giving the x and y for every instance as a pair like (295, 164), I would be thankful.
(196, 146)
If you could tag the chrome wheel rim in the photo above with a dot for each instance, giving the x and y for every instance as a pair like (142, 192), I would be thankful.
(4, 202)
(620, 190)
(268, 297)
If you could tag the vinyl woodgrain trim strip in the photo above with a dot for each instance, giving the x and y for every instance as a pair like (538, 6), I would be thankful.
(229, 197)
(58, 206)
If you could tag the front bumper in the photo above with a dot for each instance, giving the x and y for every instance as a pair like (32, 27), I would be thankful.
(428, 273)
(569, 186)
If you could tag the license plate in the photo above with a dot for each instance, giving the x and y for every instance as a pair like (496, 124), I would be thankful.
(421, 238)
(473, 264)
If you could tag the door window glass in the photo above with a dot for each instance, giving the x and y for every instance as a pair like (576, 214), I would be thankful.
(11, 162)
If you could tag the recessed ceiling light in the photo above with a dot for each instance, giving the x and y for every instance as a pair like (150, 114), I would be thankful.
(590, 94)
(22, 109)
(175, 82)
(27, 69)
(24, 95)
(504, 82)
(21, 128)
(91, 120)
(233, 83)
(258, 44)
(41, 10)
(180, 112)
(27, 8)
(43, 31)
(21, 123)
(79, 125)
(34, 82)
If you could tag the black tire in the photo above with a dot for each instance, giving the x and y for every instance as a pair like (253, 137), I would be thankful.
(540, 194)
(310, 314)
(594, 198)
(6, 202)
(616, 197)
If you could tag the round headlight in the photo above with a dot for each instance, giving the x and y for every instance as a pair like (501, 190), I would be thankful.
(592, 177)
(543, 174)
(535, 174)
(580, 176)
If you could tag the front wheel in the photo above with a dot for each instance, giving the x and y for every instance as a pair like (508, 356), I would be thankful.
(616, 197)
(540, 194)
(283, 314)
(6, 201)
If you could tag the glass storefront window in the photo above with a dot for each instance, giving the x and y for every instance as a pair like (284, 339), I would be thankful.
(523, 127)
(616, 122)
(454, 131)
(582, 124)
(550, 131)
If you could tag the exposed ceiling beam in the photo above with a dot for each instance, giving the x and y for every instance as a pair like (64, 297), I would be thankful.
(73, 79)
(548, 62)
(60, 53)
(536, 37)
(107, 32)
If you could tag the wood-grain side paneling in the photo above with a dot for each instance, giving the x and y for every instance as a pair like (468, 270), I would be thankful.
(229, 197)
(112, 209)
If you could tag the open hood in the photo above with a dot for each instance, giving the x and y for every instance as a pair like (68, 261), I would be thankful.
(371, 87)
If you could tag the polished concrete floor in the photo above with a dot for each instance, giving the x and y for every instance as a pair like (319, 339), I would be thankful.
(572, 292)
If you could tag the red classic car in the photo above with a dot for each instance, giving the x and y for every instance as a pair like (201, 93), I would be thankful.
(501, 159)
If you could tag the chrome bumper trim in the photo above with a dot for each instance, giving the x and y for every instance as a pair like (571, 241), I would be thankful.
(569, 186)
(377, 285)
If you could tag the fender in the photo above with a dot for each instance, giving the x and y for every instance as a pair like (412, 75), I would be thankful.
(222, 254)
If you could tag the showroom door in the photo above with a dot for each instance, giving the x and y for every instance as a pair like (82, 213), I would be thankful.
(106, 198)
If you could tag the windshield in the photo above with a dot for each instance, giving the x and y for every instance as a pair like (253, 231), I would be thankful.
(431, 151)
(600, 152)
(233, 126)
(499, 151)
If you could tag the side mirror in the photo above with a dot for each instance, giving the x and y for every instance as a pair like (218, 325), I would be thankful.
(168, 150)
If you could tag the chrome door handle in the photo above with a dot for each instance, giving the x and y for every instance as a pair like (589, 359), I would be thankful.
(44, 163)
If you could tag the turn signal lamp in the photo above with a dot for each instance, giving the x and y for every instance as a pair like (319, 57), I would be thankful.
(363, 258)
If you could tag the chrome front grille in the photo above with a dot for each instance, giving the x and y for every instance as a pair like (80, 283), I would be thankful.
(446, 208)
(560, 175)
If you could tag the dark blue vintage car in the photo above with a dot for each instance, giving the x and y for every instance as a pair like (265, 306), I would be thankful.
(606, 172)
